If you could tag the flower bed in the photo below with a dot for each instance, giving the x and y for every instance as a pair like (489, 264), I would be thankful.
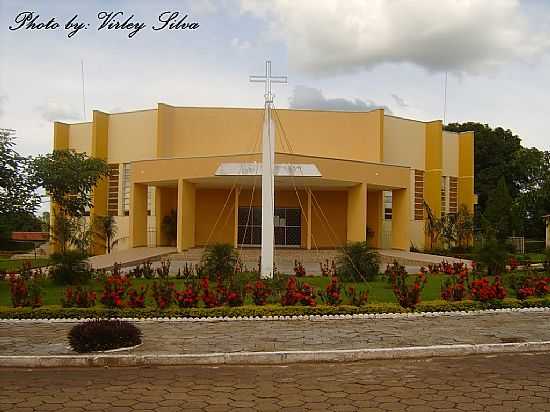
(57, 312)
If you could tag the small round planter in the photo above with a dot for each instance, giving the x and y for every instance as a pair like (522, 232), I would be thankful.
(124, 348)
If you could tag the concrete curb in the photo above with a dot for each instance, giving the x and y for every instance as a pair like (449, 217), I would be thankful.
(298, 317)
(269, 358)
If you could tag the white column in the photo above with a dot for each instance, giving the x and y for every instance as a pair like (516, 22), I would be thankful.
(268, 159)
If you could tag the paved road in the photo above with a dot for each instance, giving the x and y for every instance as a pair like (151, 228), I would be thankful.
(208, 337)
(498, 383)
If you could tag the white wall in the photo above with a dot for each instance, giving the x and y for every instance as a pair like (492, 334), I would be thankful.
(404, 142)
(450, 153)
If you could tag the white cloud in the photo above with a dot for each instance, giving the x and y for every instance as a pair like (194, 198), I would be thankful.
(399, 101)
(461, 36)
(3, 100)
(53, 111)
(206, 6)
(240, 44)
(304, 97)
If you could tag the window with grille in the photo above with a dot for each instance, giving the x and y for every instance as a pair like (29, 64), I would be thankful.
(126, 171)
(112, 200)
(453, 194)
(150, 191)
(443, 195)
(418, 195)
(388, 205)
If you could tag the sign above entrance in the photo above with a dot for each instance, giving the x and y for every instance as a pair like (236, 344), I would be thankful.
(280, 169)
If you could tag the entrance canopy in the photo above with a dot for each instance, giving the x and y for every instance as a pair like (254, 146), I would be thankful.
(319, 202)
(256, 169)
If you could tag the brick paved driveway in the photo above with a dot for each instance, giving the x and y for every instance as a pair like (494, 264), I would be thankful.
(254, 336)
(498, 383)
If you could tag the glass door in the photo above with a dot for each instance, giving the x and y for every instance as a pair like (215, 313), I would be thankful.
(287, 222)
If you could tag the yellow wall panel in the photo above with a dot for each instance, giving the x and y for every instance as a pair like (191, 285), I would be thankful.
(329, 218)
(186, 215)
(100, 148)
(132, 136)
(357, 213)
(80, 137)
(213, 222)
(60, 136)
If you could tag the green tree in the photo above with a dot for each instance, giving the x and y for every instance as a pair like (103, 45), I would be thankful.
(63, 230)
(496, 155)
(18, 197)
(498, 212)
(534, 200)
(526, 171)
(491, 256)
(17, 222)
(69, 178)
(18, 194)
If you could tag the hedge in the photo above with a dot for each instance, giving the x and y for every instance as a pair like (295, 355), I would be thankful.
(58, 312)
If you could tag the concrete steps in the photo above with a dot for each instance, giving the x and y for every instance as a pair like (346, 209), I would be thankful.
(311, 259)
(284, 258)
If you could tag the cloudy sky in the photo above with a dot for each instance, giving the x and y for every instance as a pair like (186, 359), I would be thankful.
(339, 55)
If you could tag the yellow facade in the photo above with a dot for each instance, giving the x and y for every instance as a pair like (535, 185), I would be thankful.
(466, 170)
(356, 213)
(100, 149)
(363, 158)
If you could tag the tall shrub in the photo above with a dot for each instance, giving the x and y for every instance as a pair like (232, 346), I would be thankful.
(219, 260)
(357, 262)
(492, 256)
(170, 226)
(69, 268)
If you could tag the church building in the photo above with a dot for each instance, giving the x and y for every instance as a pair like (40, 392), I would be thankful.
(189, 176)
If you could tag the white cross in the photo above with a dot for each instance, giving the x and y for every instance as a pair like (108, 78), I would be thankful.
(268, 79)
(268, 181)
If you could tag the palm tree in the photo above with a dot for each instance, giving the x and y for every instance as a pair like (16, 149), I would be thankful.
(170, 226)
(106, 229)
(448, 229)
(464, 226)
(432, 225)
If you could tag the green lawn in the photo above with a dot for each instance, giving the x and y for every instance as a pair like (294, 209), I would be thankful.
(533, 257)
(13, 265)
(380, 291)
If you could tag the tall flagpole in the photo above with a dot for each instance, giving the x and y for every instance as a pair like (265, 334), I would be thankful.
(268, 160)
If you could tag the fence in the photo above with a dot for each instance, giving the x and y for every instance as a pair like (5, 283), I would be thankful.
(523, 246)
(518, 243)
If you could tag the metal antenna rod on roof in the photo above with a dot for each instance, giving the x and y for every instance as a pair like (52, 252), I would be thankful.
(83, 93)
(445, 101)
